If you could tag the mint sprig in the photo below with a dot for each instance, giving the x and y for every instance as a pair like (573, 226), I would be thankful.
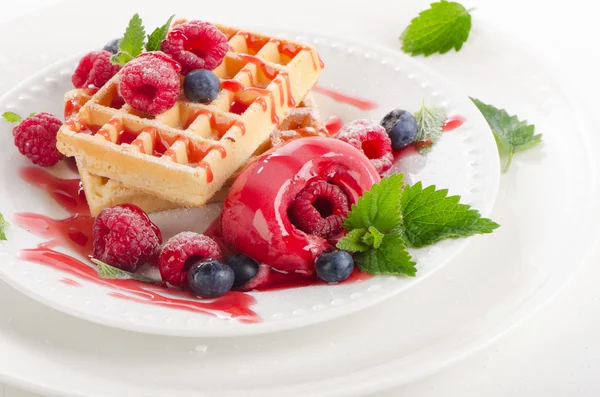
(444, 26)
(158, 35)
(392, 217)
(132, 43)
(430, 121)
(379, 207)
(12, 117)
(110, 272)
(512, 135)
(3, 225)
(391, 257)
(430, 216)
(353, 241)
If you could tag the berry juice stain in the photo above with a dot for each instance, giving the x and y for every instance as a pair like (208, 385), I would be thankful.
(361, 103)
(76, 233)
(452, 123)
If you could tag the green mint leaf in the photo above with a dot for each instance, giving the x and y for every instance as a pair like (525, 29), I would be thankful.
(132, 43)
(31, 114)
(512, 135)
(373, 237)
(430, 216)
(429, 123)
(110, 272)
(121, 58)
(11, 117)
(158, 35)
(379, 207)
(390, 258)
(444, 26)
(3, 225)
(353, 241)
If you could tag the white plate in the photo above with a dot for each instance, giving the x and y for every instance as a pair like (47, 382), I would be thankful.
(484, 291)
(465, 161)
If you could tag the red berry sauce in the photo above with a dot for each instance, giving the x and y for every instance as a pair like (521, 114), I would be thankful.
(75, 232)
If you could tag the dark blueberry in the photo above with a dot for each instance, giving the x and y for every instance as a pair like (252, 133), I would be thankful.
(401, 126)
(210, 278)
(244, 268)
(334, 266)
(201, 85)
(112, 46)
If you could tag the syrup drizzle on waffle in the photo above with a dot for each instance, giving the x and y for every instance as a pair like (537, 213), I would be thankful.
(263, 78)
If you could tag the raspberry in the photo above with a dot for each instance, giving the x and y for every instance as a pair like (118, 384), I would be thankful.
(196, 45)
(124, 237)
(372, 139)
(181, 252)
(35, 137)
(94, 70)
(319, 209)
(150, 83)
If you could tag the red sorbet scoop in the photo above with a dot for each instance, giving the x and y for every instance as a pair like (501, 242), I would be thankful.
(255, 214)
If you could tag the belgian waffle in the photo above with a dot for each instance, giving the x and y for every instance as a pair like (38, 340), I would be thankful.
(187, 154)
(303, 121)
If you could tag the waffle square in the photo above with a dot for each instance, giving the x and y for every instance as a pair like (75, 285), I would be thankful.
(187, 154)
(101, 192)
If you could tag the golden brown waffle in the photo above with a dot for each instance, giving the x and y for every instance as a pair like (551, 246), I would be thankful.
(187, 154)
(102, 192)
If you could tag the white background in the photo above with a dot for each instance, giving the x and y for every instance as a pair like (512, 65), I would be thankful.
(554, 353)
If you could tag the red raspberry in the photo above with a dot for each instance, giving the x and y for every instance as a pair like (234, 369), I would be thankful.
(319, 209)
(372, 139)
(150, 83)
(196, 45)
(94, 70)
(125, 237)
(182, 251)
(36, 138)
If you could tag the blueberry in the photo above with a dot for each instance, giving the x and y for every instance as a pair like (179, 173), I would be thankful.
(244, 268)
(401, 126)
(201, 85)
(334, 266)
(112, 46)
(210, 278)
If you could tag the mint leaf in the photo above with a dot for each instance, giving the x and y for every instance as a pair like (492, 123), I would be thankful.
(429, 123)
(379, 207)
(11, 117)
(392, 216)
(444, 26)
(110, 272)
(3, 225)
(511, 134)
(158, 35)
(373, 237)
(132, 43)
(31, 114)
(353, 241)
(390, 258)
(430, 216)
